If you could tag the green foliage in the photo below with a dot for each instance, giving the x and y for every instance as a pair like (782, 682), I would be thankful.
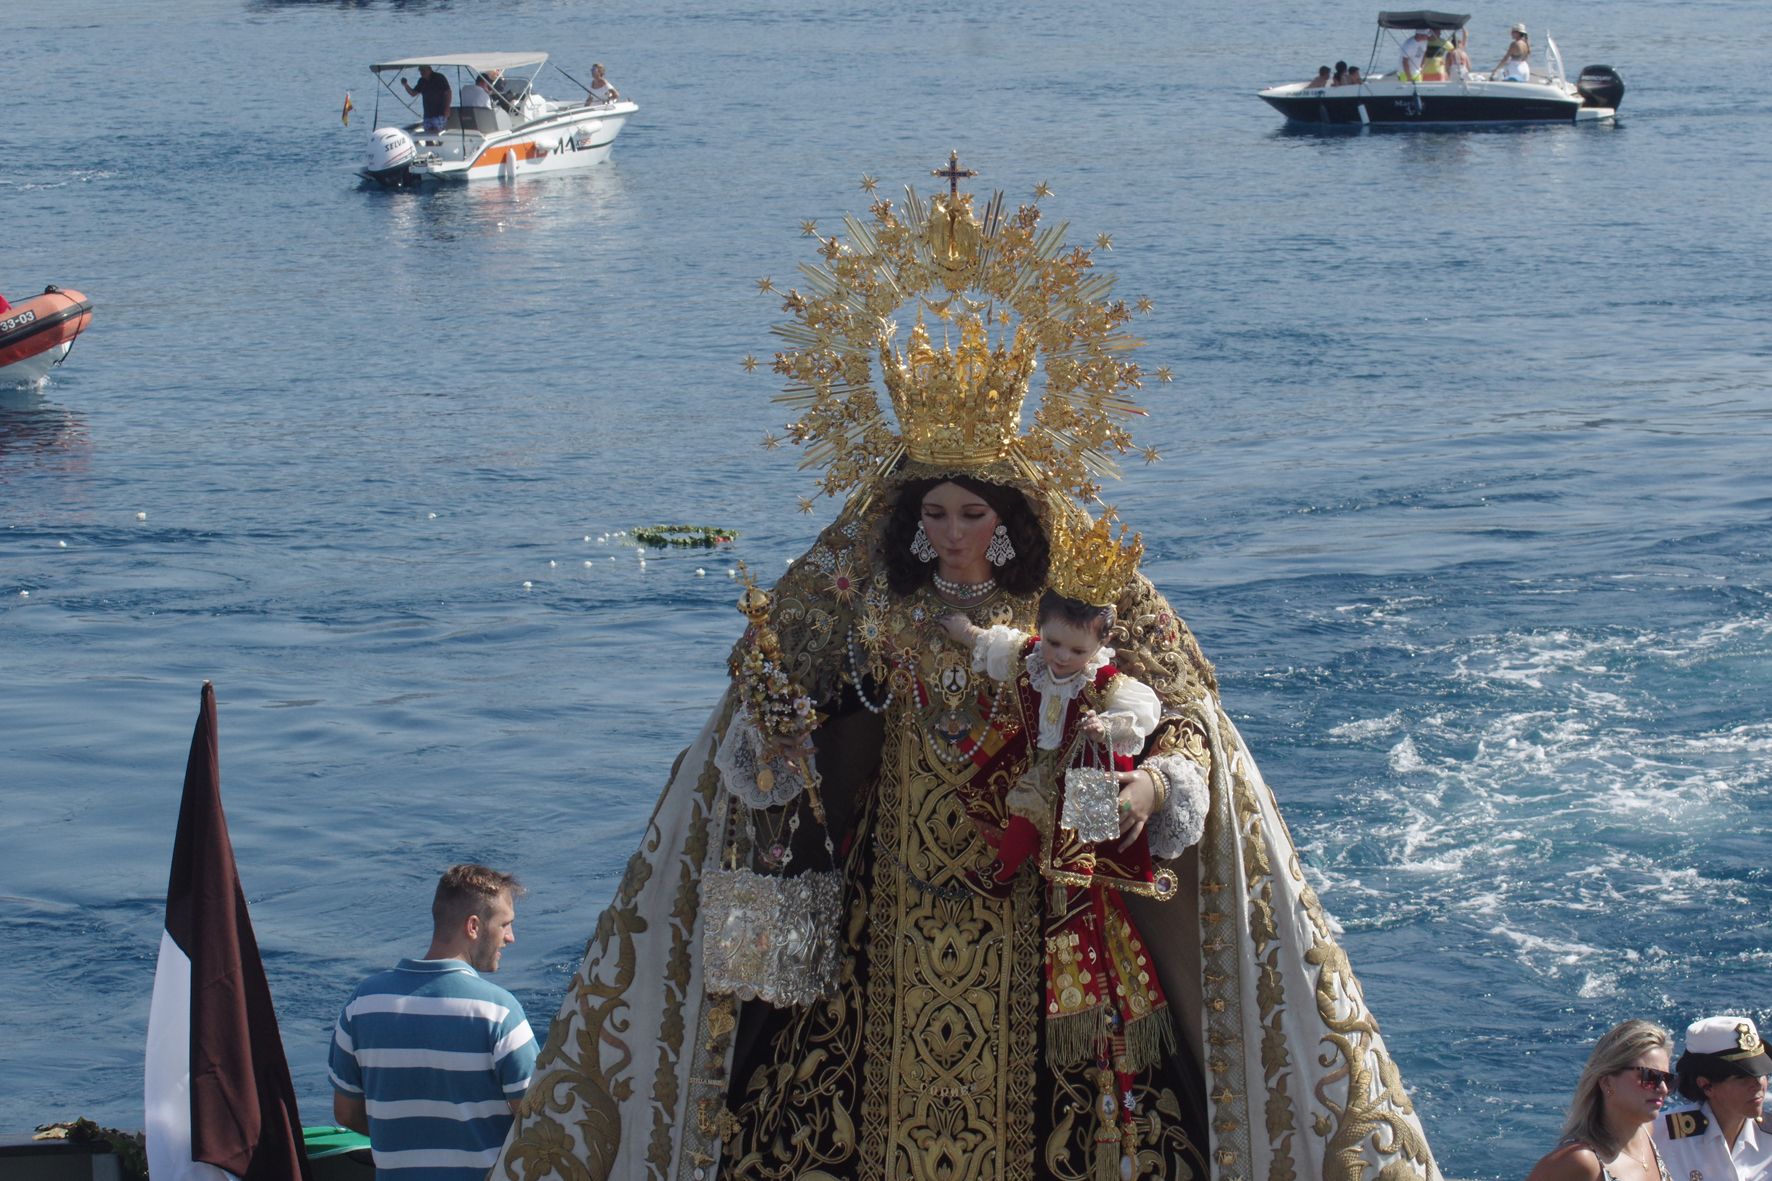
(702, 535)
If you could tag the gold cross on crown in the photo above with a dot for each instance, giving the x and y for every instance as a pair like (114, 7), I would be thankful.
(952, 174)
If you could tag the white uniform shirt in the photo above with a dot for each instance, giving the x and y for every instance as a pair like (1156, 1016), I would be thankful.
(1704, 1156)
(473, 96)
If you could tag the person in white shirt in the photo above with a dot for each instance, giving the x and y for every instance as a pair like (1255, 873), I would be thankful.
(599, 91)
(1516, 64)
(1414, 50)
(476, 93)
(1724, 1135)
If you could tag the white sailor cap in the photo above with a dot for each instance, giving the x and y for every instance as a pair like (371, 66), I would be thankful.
(1723, 1046)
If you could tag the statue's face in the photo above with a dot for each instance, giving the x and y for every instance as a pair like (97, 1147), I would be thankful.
(1068, 647)
(959, 523)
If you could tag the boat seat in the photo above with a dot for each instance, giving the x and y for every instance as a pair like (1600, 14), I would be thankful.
(482, 119)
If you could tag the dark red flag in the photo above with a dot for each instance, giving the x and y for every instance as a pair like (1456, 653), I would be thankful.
(217, 1088)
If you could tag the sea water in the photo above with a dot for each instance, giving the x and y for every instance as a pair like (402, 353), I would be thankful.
(1464, 484)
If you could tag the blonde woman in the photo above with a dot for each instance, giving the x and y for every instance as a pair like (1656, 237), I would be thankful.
(1622, 1089)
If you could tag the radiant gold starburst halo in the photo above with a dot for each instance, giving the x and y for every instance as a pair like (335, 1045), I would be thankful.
(1006, 297)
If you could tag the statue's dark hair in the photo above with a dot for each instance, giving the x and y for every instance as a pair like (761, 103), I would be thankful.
(1021, 575)
(1098, 621)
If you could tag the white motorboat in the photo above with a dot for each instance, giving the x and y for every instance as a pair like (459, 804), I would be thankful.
(517, 133)
(1447, 96)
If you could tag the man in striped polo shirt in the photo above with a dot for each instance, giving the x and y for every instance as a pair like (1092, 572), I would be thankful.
(430, 1060)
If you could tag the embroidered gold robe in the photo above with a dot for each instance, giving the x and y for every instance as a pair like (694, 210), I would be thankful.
(925, 1063)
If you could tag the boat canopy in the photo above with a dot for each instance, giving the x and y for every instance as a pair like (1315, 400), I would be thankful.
(1422, 18)
(479, 63)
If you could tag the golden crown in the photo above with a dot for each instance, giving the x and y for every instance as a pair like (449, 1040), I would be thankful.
(1091, 564)
(960, 408)
(957, 408)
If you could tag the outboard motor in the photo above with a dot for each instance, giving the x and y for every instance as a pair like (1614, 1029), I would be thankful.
(391, 152)
(1600, 86)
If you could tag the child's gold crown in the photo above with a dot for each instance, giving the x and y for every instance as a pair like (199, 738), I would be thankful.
(1092, 565)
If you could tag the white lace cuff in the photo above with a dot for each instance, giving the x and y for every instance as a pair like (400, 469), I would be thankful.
(1182, 819)
(1131, 712)
(995, 651)
(741, 760)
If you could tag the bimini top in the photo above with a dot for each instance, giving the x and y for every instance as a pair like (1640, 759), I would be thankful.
(480, 63)
(1420, 18)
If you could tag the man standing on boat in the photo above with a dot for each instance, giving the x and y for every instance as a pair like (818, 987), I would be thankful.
(1414, 51)
(435, 89)
(430, 1060)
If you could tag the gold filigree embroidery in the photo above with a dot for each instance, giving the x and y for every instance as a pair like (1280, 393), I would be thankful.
(1270, 990)
(1220, 858)
(571, 1071)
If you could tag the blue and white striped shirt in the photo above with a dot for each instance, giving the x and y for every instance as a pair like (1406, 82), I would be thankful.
(436, 1053)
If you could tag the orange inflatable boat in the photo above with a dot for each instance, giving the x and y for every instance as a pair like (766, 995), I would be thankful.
(37, 333)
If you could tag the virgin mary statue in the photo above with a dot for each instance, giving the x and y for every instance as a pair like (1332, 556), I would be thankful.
(799, 978)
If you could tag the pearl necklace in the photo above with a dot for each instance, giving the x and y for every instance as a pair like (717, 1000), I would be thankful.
(962, 590)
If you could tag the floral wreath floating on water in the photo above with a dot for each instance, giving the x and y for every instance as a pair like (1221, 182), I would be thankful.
(689, 535)
(957, 409)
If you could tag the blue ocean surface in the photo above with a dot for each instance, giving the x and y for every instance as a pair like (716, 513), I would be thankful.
(1464, 484)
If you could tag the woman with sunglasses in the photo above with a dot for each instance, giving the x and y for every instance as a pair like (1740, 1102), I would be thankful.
(1622, 1090)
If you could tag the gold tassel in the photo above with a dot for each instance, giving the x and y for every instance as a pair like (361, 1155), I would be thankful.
(1149, 1039)
(1107, 1157)
(1076, 1038)
(1107, 1129)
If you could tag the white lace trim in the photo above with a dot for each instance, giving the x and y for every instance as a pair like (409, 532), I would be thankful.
(740, 759)
(996, 650)
(1131, 712)
(1041, 678)
(1182, 820)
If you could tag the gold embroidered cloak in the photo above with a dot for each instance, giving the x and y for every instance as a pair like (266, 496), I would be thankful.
(636, 1078)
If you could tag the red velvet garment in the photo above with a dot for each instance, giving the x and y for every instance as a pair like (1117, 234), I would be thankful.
(1006, 751)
